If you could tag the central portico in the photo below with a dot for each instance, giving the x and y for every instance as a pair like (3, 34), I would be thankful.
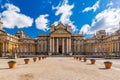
(60, 39)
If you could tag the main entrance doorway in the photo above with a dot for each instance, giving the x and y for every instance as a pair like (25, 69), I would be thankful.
(60, 49)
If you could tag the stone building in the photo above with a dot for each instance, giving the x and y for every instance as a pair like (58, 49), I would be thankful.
(60, 41)
(103, 44)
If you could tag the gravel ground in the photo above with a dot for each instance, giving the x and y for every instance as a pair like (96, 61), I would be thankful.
(59, 68)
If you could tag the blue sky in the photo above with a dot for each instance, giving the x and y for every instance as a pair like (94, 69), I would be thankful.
(36, 16)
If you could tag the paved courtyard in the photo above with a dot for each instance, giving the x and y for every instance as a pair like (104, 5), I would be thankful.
(59, 68)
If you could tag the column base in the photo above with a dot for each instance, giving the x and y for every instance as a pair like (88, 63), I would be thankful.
(49, 54)
(71, 54)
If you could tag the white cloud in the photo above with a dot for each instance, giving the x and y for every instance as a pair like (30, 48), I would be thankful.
(66, 11)
(94, 7)
(85, 29)
(12, 17)
(110, 4)
(106, 20)
(42, 22)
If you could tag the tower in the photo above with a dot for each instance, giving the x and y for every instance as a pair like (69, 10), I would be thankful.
(1, 23)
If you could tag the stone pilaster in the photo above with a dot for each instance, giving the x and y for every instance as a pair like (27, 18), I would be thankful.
(117, 46)
(53, 45)
(69, 44)
(37, 47)
(63, 45)
(57, 45)
(3, 47)
(50, 45)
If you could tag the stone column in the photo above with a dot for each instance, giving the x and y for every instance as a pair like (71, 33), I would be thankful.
(37, 47)
(42, 46)
(67, 45)
(74, 46)
(3, 47)
(62, 45)
(112, 48)
(31, 48)
(117, 46)
(50, 45)
(82, 47)
(57, 45)
(46, 46)
(7, 47)
(53, 45)
(19, 48)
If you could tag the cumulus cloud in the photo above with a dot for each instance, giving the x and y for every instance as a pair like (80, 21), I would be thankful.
(106, 20)
(85, 29)
(110, 4)
(12, 17)
(94, 7)
(65, 10)
(42, 22)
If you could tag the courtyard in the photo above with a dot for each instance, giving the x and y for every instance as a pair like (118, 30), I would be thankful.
(59, 68)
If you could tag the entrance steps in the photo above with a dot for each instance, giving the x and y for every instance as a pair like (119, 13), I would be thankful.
(60, 56)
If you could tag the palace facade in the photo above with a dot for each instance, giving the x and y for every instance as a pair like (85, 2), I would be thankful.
(60, 41)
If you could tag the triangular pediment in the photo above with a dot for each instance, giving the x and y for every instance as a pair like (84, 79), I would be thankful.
(60, 31)
(60, 26)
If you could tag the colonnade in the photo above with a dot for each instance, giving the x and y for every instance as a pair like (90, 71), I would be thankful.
(64, 43)
(77, 46)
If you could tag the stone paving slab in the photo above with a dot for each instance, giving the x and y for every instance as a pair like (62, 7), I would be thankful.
(60, 68)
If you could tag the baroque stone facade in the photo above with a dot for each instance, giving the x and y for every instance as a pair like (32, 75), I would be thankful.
(60, 41)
